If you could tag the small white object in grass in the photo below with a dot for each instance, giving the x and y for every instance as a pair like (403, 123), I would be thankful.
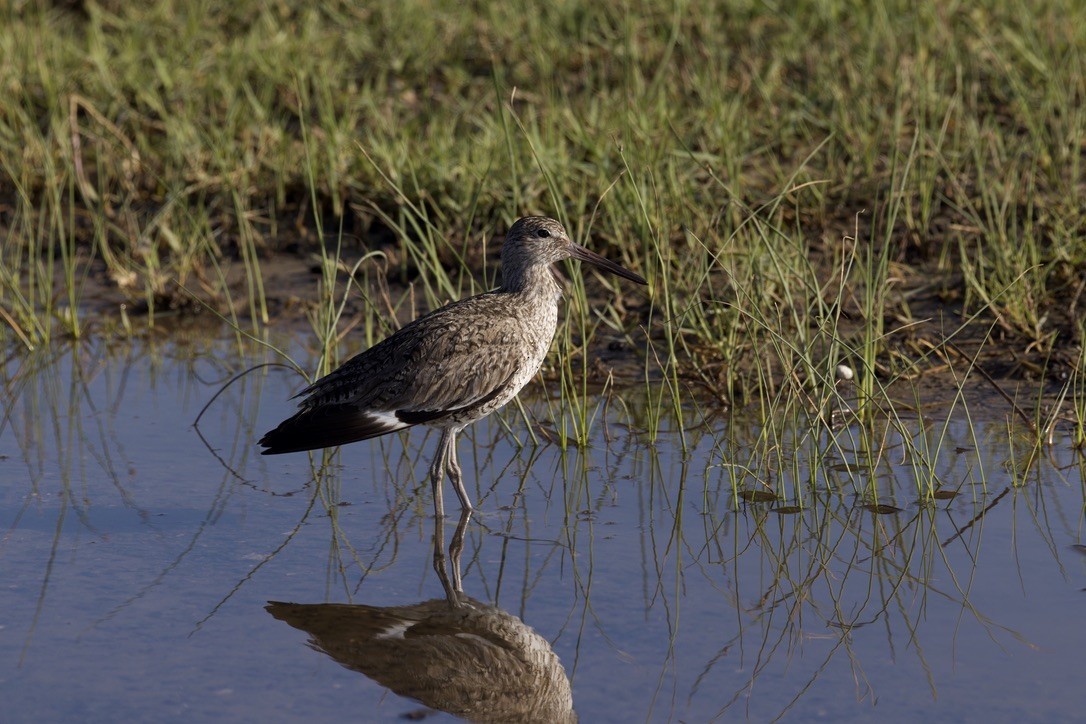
(844, 372)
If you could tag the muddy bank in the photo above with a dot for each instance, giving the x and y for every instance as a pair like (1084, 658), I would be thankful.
(932, 358)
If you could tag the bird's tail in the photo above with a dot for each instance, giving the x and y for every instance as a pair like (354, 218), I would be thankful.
(328, 426)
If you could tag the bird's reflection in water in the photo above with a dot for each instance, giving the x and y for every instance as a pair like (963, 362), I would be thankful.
(455, 654)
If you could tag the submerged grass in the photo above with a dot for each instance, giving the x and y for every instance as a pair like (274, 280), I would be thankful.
(805, 189)
(799, 580)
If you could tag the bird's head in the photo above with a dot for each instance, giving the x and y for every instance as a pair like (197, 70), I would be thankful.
(541, 241)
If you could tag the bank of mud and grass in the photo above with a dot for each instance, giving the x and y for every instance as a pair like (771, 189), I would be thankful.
(896, 190)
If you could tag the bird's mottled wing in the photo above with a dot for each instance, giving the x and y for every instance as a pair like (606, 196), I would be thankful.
(449, 359)
(469, 361)
(441, 365)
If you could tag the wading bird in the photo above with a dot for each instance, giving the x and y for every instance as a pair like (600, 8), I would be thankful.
(450, 367)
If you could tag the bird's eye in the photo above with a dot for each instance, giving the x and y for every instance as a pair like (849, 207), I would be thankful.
(542, 233)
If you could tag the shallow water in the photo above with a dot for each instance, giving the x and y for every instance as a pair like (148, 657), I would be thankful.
(137, 562)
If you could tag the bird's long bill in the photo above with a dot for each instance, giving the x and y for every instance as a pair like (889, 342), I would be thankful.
(579, 252)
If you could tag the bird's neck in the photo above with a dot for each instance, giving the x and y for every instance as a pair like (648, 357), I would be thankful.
(536, 280)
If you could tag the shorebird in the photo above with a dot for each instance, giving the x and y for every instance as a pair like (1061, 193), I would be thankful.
(448, 368)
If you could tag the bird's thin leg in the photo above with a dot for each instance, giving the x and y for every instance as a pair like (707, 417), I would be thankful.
(453, 467)
(437, 471)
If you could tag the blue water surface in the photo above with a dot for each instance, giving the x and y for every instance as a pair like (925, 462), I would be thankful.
(138, 557)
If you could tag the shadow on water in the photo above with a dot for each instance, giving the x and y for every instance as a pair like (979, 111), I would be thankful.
(772, 569)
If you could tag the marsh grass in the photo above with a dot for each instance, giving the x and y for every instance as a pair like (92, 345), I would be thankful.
(1078, 392)
(791, 183)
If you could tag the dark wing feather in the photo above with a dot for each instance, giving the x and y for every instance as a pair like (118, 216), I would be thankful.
(327, 426)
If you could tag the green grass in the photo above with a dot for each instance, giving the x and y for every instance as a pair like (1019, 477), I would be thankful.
(805, 185)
